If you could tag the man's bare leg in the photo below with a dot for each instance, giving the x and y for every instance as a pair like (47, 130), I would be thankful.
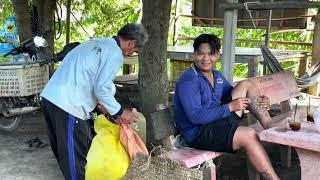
(246, 138)
(247, 89)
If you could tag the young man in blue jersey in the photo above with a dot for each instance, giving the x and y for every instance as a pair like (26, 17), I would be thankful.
(84, 79)
(208, 108)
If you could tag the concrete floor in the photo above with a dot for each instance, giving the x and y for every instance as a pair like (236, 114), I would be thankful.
(17, 161)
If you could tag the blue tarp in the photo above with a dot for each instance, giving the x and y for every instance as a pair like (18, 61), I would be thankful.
(9, 35)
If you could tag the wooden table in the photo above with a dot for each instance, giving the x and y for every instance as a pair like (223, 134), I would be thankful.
(306, 142)
(250, 56)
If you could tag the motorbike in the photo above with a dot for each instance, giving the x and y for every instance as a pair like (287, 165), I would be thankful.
(21, 81)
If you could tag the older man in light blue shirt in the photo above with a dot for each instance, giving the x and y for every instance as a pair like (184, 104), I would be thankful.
(83, 79)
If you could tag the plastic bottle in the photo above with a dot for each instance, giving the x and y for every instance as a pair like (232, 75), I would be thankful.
(140, 126)
(316, 117)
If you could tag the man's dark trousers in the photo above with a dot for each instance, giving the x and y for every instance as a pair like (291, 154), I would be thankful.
(70, 139)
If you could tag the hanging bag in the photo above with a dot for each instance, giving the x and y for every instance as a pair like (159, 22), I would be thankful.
(107, 158)
(131, 141)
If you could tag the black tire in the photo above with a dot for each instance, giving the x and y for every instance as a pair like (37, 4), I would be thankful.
(9, 124)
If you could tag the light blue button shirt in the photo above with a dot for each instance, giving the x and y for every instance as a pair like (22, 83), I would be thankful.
(84, 77)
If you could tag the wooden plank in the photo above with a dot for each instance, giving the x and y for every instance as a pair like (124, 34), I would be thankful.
(278, 87)
(131, 60)
(126, 77)
(243, 55)
(269, 5)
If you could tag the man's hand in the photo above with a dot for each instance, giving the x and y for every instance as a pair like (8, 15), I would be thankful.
(101, 109)
(238, 104)
(264, 102)
(127, 117)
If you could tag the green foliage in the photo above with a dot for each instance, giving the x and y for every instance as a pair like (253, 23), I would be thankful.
(106, 16)
(99, 18)
(6, 10)
(4, 59)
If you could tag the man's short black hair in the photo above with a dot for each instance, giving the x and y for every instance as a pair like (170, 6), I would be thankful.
(211, 39)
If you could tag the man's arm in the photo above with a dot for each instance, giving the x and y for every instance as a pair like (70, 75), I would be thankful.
(189, 94)
(103, 90)
(104, 87)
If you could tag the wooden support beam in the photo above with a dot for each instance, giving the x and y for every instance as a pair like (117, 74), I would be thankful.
(267, 35)
(256, 41)
(303, 65)
(229, 43)
(176, 23)
(314, 90)
(273, 5)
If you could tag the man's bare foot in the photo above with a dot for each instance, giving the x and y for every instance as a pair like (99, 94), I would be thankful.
(260, 113)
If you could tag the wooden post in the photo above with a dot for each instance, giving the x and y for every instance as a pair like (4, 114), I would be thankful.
(267, 36)
(68, 22)
(176, 23)
(229, 42)
(303, 64)
(314, 90)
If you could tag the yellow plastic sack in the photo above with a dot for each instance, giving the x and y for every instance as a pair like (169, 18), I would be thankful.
(107, 159)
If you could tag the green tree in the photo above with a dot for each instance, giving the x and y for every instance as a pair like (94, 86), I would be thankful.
(98, 18)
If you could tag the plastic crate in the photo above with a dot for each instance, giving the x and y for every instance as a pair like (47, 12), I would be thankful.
(22, 80)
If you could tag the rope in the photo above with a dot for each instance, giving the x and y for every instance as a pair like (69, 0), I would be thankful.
(80, 24)
(147, 164)
(249, 12)
(58, 34)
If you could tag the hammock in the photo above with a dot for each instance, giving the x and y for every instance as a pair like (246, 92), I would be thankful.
(310, 78)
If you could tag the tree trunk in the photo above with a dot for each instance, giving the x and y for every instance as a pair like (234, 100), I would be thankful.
(68, 21)
(46, 10)
(46, 15)
(153, 79)
(23, 18)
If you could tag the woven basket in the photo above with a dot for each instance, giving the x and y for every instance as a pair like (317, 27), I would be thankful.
(158, 168)
(23, 80)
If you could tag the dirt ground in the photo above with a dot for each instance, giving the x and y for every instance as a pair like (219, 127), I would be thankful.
(18, 161)
(234, 166)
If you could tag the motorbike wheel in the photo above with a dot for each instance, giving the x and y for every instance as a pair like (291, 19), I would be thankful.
(9, 124)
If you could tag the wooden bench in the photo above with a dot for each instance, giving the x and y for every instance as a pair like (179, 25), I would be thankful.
(279, 87)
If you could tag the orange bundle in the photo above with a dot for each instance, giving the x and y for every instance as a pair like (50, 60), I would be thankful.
(131, 141)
